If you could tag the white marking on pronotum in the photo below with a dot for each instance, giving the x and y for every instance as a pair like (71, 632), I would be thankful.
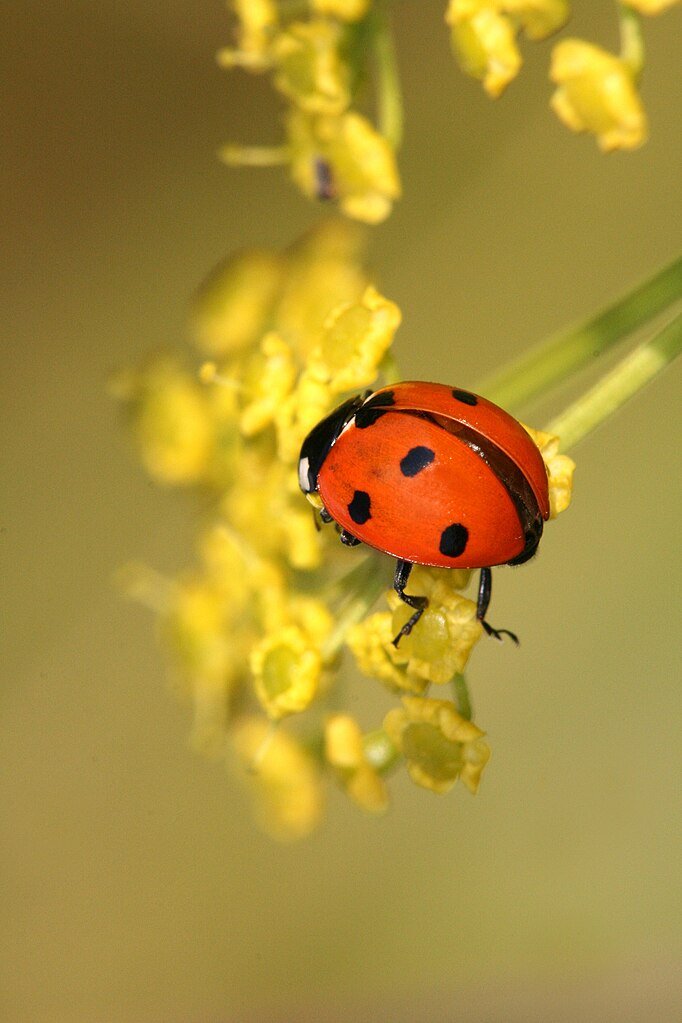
(303, 467)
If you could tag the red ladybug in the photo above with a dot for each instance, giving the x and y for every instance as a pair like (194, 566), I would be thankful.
(432, 475)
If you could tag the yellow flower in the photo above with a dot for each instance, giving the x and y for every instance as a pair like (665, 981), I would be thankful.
(442, 640)
(356, 337)
(257, 22)
(650, 6)
(304, 408)
(484, 42)
(346, 10)
(268, 380)
(171, 420)
(560, 469)
(344, 751)
(361, 163)
(439, 745)
(234, 305)
(538, 18)
(596, 93)
(284, 778)
(371, 642)
(310, 71)
(286, 667)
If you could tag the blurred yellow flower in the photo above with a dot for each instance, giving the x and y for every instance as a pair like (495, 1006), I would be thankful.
(650, 6)
(345, 753)
(537, 18)
(267, 381)
(371, 642)
(286, 668)
(355, 338)
(309, 68)
(560, 469)
(256, 24)
(596, 92)
(360, 163)
(346, 10)
(484, 42)
(284, 778)
(438, 744)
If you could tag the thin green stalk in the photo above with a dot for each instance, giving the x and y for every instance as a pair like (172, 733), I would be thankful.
(563, 355)
(462, 698)
(631, 39)
(389, 95)
(627, 378)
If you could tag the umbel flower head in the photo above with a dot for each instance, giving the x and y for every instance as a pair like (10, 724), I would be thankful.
(257, 629)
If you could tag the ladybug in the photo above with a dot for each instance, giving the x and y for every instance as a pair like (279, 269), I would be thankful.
(431, 475)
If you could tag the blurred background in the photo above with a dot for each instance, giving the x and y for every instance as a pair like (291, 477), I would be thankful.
(135, 887)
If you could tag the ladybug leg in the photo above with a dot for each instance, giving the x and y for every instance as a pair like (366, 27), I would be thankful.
(420, 604)
(485, 589)
(348, 539)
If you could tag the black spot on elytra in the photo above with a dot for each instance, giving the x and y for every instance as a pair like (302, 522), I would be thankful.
(466, 397)
(453, 540)
(415, 460)
(380, 398)
(358, 509)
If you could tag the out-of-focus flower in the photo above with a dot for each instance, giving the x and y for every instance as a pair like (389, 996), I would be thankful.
(257, 22)
(560, 469)
(596, 92)
(309, 68)
(359, 168)
(484, 42)
(537, 18)
(650, 6)
(438, 744)
(286, 668)
(345, 753)
(346, 10)
(285, 779)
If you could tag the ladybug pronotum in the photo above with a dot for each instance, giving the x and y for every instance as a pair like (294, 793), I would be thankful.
(431, 475)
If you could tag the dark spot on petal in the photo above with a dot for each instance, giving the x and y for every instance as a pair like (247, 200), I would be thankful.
(453, 540)
(466, 397)
(415, 460)
(358, 509)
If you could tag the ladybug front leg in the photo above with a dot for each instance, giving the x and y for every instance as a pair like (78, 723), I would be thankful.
(402, 574)
(485, 589)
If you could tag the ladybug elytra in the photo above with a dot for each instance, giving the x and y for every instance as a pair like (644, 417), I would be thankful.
(432, 475)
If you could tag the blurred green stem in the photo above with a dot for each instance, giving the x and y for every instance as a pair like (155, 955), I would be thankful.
(563, 355)
(462, 698)
(631, 374)
(389, 96)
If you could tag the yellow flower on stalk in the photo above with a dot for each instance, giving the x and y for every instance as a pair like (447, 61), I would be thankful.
(308, 403)
(441, 642)
(484, 42)
(358, 161)
(650, 6)
(345, 753)
(560, 469)
(596, 92)
(371, 642)
(284, 778)
(355, 338)
(483, 35)
(346, 10)
(171, 420)
(234, 305)
(286, 666)
(309, 68)
(268, 380)
(257, 22)
(438, 744)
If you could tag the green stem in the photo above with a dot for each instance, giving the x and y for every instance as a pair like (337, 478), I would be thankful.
(462, 698)
(565, 354)
(631, 39)
(389, 96)
(627, 378)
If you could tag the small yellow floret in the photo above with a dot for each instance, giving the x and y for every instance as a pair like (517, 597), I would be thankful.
(371, 642)
(346, 10)
(538, 18)
(356, 337)
(597, 93)
(484, 42)
(286, 667)
(285, 779)
(268, 380)
(560, 469)
(310, 71)
(650, 6)
(439, 745)
(344, 751)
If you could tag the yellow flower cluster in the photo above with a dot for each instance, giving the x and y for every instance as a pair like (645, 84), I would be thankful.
(596, 91)
(333, 151)
(253, 644)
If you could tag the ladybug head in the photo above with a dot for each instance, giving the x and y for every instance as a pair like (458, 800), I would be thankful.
(319, 441)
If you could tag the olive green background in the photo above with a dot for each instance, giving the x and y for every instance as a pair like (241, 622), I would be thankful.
(135, 889)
